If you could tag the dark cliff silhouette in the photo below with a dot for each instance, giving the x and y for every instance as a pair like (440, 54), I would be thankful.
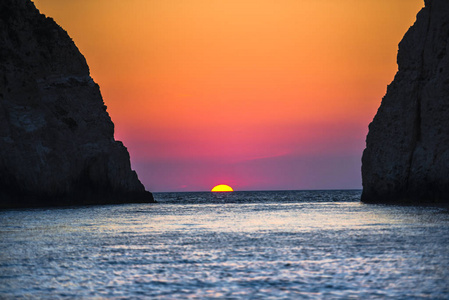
(406, 159)
(57, 142)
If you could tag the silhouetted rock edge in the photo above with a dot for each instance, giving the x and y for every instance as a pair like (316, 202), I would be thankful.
(406, 160)
(57, 144)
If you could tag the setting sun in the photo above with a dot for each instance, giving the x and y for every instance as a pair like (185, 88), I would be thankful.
(222, 188)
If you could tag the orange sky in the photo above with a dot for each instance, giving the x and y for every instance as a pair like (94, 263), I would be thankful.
(260, 94)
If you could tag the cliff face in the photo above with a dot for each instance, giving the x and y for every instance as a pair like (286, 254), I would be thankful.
(407, 148)
(57, 142)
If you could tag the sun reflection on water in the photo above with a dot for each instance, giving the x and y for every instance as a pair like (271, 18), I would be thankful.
(221, 246)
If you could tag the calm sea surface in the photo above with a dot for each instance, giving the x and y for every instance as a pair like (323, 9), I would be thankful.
(241, 245)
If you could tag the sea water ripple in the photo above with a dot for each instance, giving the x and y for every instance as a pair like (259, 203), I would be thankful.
(241, 245)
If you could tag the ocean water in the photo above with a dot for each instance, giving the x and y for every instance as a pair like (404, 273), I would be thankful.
(241, 245)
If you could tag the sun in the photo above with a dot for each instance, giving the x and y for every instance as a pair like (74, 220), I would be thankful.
(222, 188)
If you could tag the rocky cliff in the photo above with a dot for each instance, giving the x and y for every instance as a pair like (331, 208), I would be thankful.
(57, 142)
(407, 148)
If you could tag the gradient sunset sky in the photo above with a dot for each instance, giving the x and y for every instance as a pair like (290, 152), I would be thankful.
(256, 94)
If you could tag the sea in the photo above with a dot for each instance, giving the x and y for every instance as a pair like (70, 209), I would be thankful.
(238, 245)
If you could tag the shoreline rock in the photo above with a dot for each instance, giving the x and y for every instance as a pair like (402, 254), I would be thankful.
(57, 144)
(406, 159)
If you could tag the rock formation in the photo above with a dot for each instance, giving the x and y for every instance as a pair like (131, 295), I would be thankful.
(57, 142)
(407, 148)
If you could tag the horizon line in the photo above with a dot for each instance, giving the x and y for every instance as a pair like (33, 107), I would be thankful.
(288, 190)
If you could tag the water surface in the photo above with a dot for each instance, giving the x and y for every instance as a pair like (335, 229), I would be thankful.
(241, 245)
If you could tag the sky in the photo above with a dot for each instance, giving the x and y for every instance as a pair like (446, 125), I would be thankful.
(255, 94)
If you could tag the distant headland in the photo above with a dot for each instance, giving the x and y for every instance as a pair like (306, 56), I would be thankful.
(406, 159)
(57, 142)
